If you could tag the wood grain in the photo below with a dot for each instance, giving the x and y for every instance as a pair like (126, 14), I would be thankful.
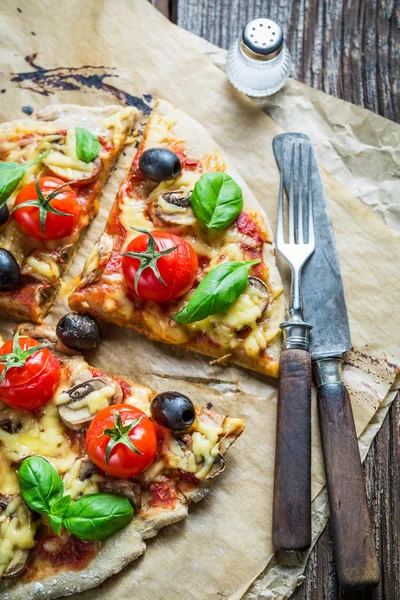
(347, 48)
(291, 528)
(356, 562)
(350, 49)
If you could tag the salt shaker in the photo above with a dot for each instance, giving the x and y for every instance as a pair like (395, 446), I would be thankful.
(259, 63)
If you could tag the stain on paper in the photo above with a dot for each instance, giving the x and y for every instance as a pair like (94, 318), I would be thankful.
(48, 81)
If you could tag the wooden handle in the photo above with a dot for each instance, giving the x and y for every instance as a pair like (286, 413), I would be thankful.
(357, 566)
(292, 486)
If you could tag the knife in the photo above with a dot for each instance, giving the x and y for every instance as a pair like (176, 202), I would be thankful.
(325, 309)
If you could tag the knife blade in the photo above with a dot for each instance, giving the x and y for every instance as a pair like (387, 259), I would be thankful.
(325, 309)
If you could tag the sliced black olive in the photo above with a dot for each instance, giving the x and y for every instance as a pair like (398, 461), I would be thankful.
(9, 271)
(173, 410)
(4, 214)
(79, 332)
(159, 164)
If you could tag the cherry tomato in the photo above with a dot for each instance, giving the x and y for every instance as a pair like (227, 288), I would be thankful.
(177, 269)
(56, 226)
(34, 384)
(123, 461)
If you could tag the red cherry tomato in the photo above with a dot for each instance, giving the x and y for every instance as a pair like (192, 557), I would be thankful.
(123, 461)
(56, 226)
(34, 384)
(178, 269)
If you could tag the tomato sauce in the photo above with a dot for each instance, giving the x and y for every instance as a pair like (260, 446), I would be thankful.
(247, 226)
(163, 494)
(52, 555)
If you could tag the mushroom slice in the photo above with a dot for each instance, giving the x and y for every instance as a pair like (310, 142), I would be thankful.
(17, 564)
(259, 288)
(14, 517)
(173, 208)
(43, 333)
(76, 172)
(78, 405)
(42, 266)
(9, 423)
(123, 487)
(64, 163)
(97, 259)
(217, 468)
(87, 469)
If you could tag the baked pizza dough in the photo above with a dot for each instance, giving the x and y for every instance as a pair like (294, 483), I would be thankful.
(248, 333)
(44, 263)
(34, 562)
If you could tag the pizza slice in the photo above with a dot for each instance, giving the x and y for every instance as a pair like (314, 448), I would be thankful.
(187, 255)
(52, 170)
(91, 466)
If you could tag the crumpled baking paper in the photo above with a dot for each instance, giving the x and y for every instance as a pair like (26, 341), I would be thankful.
(96, 52)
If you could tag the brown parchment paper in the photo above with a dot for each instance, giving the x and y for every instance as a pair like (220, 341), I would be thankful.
(89, 53)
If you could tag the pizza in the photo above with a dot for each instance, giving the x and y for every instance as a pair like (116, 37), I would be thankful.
(187, 255)
(91, 466)
(52, 170)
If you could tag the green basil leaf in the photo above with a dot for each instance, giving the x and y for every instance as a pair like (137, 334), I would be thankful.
(60, 507)
(11, 174)
(40, 484)
(87, 145)
(217, 292)
(55, 522)
(97, 516)
(216, 200)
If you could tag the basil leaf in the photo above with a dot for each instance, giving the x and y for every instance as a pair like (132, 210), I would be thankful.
(217, 292)
(39, 483)
(87, 145)
(60, 507)
(97, 516)
(216, 200)
(55, 522)
(11, 174)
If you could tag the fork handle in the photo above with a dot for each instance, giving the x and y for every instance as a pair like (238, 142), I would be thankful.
(291, 528)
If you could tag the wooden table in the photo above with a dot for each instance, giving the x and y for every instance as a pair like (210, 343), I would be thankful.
(350, 49)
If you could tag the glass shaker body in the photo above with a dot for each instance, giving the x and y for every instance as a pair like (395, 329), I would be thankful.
(259, 63)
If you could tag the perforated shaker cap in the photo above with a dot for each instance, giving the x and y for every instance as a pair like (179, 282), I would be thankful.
(262, 39)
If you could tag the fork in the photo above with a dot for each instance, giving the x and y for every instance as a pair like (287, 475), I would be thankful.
(292, 481)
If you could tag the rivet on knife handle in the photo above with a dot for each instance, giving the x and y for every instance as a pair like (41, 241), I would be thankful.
(356, 562)
(292, 482)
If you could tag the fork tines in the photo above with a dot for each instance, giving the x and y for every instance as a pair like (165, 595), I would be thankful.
(300, 226)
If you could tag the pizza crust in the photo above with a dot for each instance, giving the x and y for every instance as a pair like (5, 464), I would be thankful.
(169, 123)
(150, 517)
(117, 552)
(34, 297)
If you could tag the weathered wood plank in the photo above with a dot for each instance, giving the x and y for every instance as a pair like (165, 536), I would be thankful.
(348, 48)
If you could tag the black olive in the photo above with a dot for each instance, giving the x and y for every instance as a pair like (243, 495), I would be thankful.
(4, 214)
(9, 271)
(79, 332)
(159, 164)
(173, 410)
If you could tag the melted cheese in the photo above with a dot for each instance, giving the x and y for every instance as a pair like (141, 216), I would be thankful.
(44, 436)
(201, 456)
(94, 401)
(46, 268)
(132, 215)
(16, 531)
(117, 124)
(76, 488)
(244, 312)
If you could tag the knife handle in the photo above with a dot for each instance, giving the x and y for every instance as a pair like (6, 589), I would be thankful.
(291, 528)
(357, 566)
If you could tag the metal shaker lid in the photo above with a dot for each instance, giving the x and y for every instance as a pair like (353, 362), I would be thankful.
(262, 39)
